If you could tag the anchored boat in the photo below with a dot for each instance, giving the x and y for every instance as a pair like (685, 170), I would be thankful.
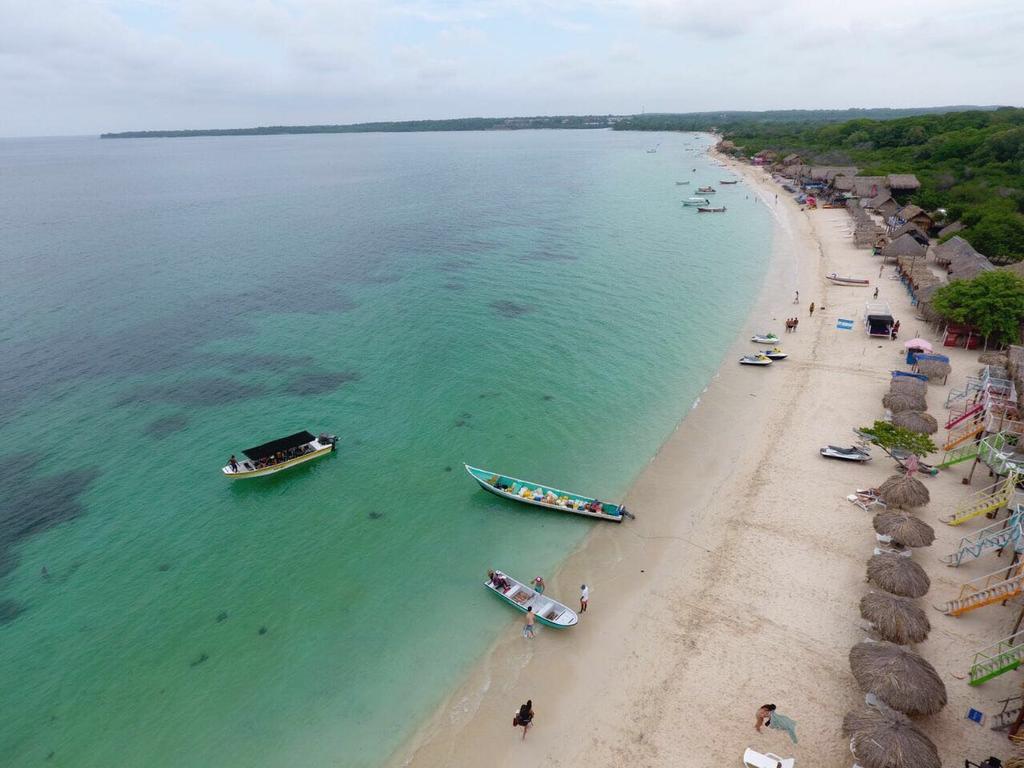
(706, 190)
(543, 496)
(860, 282)
(549, 612)
(277, 455)
(705, 209)
(723, 181)
(696, 201)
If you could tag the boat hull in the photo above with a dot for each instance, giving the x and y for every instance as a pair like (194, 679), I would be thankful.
(764, 339)
(543, 505)
(851, 281)
(550, 613)
(282, 466)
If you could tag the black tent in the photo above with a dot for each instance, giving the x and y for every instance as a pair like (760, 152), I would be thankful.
(281, 444)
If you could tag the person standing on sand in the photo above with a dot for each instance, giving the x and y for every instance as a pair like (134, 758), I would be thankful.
(584, 597)
(528, 626)
(812, 309)
(524, 717)
(767, 715)
(876, 294)
(796, 297)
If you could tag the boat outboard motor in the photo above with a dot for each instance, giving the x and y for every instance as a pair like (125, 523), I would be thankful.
(324, 439)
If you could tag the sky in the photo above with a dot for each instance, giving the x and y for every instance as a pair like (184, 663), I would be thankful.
(76, 67)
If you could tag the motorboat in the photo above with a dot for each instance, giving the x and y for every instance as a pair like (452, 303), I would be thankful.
(548, 611)
(696, 201)
(765, 338)
(723, 181)
(846, 454)
(755, 359)
(856, 281)
(280, 454)
(708, 209)
(681, 183)
(705, 190)
(544, 496)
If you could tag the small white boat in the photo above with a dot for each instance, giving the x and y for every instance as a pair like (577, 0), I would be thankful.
(765, 338)
(696, 201)
(278, 455)
(758, 359)
(548, 611)
(723, 181)
(774, 354)
(705, 190)
(855, 281)
(538, 495)
(681, 183)
(708, 209)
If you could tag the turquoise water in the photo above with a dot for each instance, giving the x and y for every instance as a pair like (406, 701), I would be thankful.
(533, 302)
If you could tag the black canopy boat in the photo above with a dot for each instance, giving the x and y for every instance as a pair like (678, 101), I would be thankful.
(280, 454)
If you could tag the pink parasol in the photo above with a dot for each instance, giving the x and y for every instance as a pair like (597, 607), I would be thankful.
(918, 344)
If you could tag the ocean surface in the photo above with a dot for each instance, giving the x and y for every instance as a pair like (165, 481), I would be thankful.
(536, 302)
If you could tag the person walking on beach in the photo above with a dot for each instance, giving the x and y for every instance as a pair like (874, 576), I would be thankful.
(528, 626)
(584, 597)
(524, 717)
(538, 585)
(876, 293)
(812, 309)
(796, 297)
(767, 716)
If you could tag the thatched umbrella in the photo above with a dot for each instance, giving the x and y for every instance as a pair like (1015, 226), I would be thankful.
(900, 401)
(916, 421)
(908, 386)
(992, 358)
(883, 738)
(901, 678)
(898, 619)
(904, 529)
(904, 491)
(899, 575)
(934, 369)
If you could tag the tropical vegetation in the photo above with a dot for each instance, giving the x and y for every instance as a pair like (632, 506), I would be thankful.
(993, 303)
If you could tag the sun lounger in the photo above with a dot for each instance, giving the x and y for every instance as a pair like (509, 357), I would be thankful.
(909, 375)
(865, 499)
(894, 549)
(753, 759)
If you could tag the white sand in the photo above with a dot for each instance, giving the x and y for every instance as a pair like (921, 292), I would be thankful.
(739, 583)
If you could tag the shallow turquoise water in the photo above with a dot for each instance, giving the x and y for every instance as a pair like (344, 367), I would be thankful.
(534, 302)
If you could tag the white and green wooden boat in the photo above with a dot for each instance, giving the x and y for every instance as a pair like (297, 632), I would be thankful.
(545, 496)
(550, 613)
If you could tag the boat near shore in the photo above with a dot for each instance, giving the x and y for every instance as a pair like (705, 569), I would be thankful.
(708, 209)
(695, 201)
(543, 496)
(548, 611)
(705, 190)
(723, 181)
(855, 281)
(279, 455)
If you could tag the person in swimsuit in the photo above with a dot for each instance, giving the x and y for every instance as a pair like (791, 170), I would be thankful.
(528, 626)
(538, 585)
(524, 717)
(767, 716)
(584, 597)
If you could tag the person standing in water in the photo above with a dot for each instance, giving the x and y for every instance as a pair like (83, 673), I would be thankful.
(767, 716)
(538, 585)
(584, 597)
(528, 626)
(524, 717)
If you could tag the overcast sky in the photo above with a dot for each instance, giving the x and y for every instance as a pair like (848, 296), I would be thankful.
(86, 66)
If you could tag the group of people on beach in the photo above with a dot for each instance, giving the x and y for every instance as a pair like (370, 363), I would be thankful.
(791, 324)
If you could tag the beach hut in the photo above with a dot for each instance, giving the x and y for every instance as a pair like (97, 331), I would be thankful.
(917, 215)
(792, 159)
(951, 229)
(869, 186)
(967, 264)
(916, 421)
(934, 370)
(881, 737)
(898, 575)
(904, 529)
(903, 401)
(908, 386)
(898, 619)
(904, 491)
(903, 182)
(910, 228)
(883, 204)
(899, 677)
(904, 245)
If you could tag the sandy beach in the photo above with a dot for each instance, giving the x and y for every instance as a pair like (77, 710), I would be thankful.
(739, 582)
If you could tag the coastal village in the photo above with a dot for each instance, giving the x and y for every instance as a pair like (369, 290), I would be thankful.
(956, 571)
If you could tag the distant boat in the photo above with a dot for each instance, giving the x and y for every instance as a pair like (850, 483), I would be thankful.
(548, 611)
(278, 455)
(706, 190)
(855, 281)
(681, 183)
(653, 149)
(543, 496)
(696, 201)
(705, 209)
(734, 181)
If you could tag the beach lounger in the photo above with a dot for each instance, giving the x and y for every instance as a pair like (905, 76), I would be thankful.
(753, 759)
(865, 499)
(894, 549)
(909, 375)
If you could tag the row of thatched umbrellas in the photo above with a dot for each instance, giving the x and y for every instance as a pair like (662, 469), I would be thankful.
(902, 682)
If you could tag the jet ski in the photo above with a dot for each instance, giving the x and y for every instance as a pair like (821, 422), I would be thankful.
(847, 454)
(764, 338)
(774, 354)
(757, 359)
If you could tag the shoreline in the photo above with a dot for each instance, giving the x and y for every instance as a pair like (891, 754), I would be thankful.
(739, 583)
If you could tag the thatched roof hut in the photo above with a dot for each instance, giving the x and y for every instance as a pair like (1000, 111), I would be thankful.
(967, 266)
(904, 491)
(908, 386)
(899, 620)
(934, 370)
(902, 679)
(917, 421)
(951, 229)
(903, 182)
(902, 401)
(916, 214)
(899, 575)
(904, 245)
(944, 253)
(869, 186)
(904, 529)
(880, 737)
(910, 228)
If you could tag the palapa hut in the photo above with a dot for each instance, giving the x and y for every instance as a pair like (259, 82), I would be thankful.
(917, 421)
(899, 620)
(902, 679)
(967, 265)
(904, 529)
(944, 253)
(910, 228)
(904, 245)
(934, 370)
(881, 737)
(904, 491)
(869, 186)
(898, 575)
(902, 401)
(903, 182)
(908, 386)
(917, 215)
